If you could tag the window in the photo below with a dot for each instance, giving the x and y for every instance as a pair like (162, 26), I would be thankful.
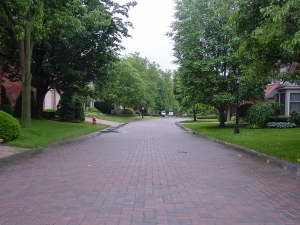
(282, 104)
(295, 102)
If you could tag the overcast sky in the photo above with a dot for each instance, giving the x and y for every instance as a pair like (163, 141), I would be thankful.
(151, 20)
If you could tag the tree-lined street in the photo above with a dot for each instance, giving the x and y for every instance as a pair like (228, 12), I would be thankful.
(147, 172)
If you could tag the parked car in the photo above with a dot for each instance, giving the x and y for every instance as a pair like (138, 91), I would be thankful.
(163, 113)
(171, 114)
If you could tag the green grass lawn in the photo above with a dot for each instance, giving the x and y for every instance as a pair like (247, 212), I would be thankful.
(280, 143)
(46, 132)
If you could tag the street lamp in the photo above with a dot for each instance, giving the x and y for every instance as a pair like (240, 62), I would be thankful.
(237, 82)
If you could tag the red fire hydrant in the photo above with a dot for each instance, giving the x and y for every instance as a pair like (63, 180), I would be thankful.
(94, 120)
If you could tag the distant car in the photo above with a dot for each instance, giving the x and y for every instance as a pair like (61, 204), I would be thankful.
(171, 114)
(163, 113)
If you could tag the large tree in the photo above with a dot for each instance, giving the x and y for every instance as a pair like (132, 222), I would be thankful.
(206, 52)
(23, 20)
(270, 31)
(84, 39)
(126, 86)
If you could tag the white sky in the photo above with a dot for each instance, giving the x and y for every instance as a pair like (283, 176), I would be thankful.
(151, 20)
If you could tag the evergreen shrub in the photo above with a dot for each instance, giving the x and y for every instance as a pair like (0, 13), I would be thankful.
(9, 127)
(104, 107)
(49, 114)
(5, 102)
(18, 106)
(258, 113)
(295, 117)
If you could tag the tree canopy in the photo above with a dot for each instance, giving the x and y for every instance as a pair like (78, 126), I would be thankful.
(270, 31)
(76, 41)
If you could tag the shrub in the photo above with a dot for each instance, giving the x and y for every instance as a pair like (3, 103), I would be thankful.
(7, 108)
(281, 125)
(79, 111)
(93, 110)
(242, 110)
(9, 127)
(65, 107)
(278, 119)
(207, 117)
(258, 113)
(18, 106)
(127, 112)
(5, 102)
(49, 114)
(70, 108)
(104, 107)
(295, 117)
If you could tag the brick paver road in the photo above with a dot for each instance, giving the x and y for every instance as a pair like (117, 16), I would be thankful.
(148, 172)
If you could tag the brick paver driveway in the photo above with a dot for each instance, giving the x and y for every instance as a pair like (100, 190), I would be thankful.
(147, 172)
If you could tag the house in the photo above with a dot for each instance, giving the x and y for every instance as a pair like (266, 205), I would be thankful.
(51, 99)
(289, 97)
(286, 93)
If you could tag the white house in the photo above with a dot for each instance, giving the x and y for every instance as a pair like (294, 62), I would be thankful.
(51, 99)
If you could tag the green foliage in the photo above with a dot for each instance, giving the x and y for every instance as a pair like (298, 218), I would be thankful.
(258, 113)
(7, 108)
(9, 127)
(270, 33)
(105, 107)
(242, 110)
(18, 106)
(278, 119)
(65, 107)
(93, 110)
(295, 117)
(281, 125)
(126, 87)
(206, 52)
(206, 117)
(49, 114)
(128, 112)
(78, 110)
(5, 102)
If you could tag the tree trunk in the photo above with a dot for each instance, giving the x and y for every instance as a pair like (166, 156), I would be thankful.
(25, 47)
(195, 117)
(222, 116)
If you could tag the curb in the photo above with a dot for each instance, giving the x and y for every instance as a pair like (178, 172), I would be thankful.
(269, 159)
(29, 152)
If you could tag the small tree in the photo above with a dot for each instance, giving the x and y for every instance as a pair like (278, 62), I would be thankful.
(79, 110)
(65, 107)
(70, 108)
(18, 106)
(5, 102)
(258, 113)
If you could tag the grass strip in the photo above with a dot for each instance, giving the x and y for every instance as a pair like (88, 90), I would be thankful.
(46, 132)
(280, 143)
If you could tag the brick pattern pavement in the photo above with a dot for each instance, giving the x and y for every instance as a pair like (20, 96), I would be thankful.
(148, 172)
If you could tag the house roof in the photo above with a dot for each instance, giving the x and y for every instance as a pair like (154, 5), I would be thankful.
(270, 90)
(287, 84)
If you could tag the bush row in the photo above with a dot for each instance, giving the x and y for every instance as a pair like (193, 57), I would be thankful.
(281, 125)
